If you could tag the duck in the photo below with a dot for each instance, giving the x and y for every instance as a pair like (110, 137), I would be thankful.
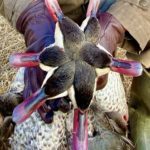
(78, 72)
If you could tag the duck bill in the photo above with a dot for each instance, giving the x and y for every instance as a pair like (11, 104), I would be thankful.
(24, 59)
(93, 7)
(80, 130)
(130, 68)
(27, 107)
(54, 9)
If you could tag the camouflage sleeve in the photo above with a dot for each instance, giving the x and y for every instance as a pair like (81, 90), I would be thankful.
(135, 17)
(11, 9)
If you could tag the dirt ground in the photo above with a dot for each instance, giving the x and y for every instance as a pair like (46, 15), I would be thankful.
(10, 42)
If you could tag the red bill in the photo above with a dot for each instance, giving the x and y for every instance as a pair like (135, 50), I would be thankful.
(54, 9)
(93, 7)
(24, 59)
(27, 107)
(130, 68)
(80, 131)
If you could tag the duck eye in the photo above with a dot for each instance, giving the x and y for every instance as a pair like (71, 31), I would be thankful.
(125, 117)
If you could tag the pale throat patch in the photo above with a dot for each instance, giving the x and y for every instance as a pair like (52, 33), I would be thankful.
(49, 46)
(101, 72)
(50, 71)
(49, 74)
(65, 93)
(103, 49)
(84, 23)
(59, 39)
(71, 94)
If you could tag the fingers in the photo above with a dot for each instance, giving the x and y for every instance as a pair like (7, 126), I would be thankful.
(46, 111)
